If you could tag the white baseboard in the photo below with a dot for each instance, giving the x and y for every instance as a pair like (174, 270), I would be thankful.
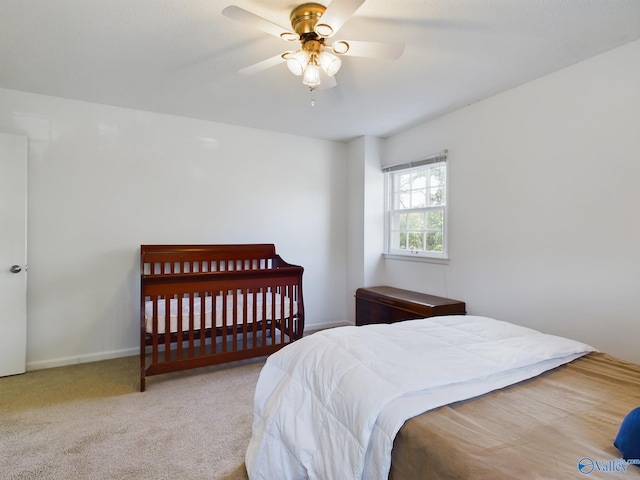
(95, 357)
(323, 326)
(92, 357)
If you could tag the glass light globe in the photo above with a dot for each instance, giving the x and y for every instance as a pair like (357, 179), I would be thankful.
(311, 75)
(297, 61)
(329, 63)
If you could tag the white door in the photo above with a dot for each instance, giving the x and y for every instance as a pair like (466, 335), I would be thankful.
(13, 254)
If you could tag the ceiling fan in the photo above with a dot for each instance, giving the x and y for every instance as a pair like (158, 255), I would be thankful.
(312, 24)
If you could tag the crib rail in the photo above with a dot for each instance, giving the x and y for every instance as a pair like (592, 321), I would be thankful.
(186, 259)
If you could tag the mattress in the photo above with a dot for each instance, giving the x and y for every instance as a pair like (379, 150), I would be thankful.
(560, 424)
(264, 310)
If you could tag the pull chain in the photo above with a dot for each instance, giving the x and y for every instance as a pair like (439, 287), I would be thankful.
(313, 100)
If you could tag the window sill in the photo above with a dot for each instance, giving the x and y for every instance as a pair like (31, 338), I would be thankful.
(416, 258)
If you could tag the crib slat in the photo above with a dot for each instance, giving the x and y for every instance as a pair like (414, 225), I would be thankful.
(245, 314)
(154, 329)
(224, 321)
(234, 322)
(293, 301)
(203, 327)
(203, 317)
(191, 333)
(254, 316)
(272, 333)
(167, 328)
(263, 339)
(282, 314)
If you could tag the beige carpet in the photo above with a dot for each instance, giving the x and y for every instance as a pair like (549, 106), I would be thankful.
(89, 421)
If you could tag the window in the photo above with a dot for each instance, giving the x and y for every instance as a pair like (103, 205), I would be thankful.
(417, 208)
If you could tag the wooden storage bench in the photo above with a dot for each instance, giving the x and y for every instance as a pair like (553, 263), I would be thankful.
(388, 305)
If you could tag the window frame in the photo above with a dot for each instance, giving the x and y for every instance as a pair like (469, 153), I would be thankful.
(416, 255)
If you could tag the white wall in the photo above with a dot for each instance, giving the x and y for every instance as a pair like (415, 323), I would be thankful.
(103, 180)
(544, 200)
(365, 222)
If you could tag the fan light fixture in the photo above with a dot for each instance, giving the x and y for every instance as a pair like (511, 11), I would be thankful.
(313, 55)
(308, 61)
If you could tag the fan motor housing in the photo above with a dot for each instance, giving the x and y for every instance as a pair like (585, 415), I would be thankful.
(305, 17)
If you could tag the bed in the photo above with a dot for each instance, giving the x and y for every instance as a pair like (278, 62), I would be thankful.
(445, 397)
(203, 305)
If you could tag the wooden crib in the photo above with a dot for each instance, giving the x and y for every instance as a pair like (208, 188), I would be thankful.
(224, 303)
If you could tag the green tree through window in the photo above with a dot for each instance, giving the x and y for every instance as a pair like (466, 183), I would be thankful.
(417, 210)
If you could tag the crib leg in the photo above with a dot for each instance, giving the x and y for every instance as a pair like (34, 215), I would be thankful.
(142, 380)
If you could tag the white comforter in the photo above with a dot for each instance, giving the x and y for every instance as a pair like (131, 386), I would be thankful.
(328, 406)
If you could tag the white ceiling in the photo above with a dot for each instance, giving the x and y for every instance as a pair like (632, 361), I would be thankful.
(182, 57)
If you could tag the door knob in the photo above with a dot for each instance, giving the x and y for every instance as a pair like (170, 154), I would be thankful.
(15, 269)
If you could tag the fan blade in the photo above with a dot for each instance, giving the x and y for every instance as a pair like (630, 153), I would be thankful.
(253, 20)
(263, 65)
(358, 48)
(335, 16)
